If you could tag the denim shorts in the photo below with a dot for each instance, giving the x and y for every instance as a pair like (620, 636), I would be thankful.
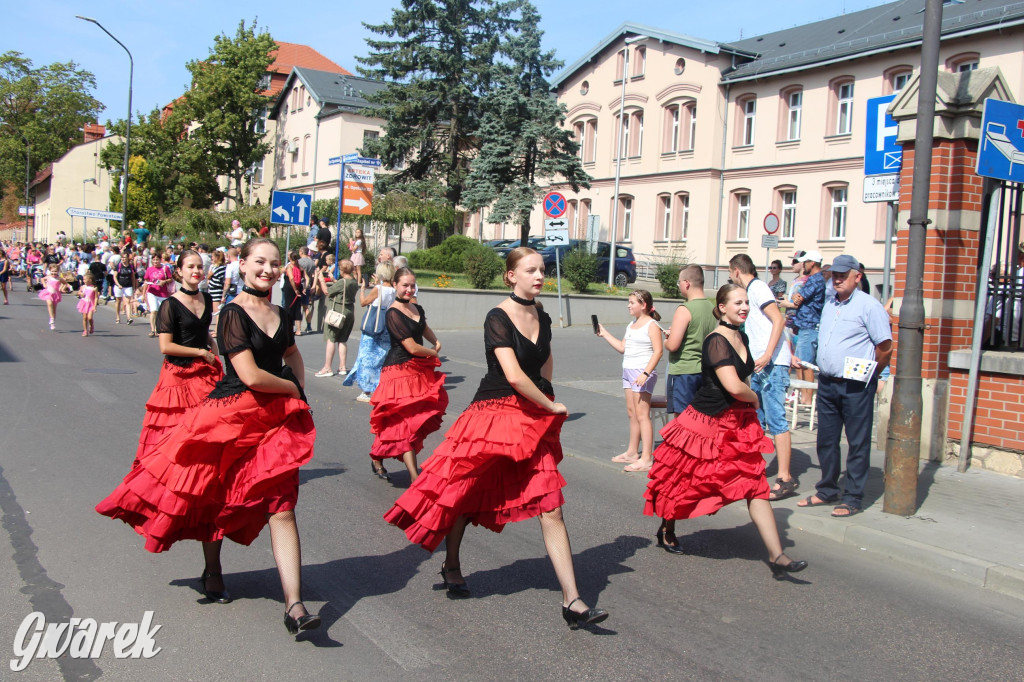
(771, 386)
(680, 391)
(806, 347)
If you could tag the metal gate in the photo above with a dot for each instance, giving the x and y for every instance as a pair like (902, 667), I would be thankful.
(1001, 232)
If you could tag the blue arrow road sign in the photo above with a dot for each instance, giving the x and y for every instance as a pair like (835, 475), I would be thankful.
(290, 208)
(1001, 152)
(882, 155)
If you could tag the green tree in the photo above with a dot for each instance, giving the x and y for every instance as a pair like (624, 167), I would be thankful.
(180, 174)
(46, 106)
(524, 140)
(142, 196)
(226, 102)
(438, 59)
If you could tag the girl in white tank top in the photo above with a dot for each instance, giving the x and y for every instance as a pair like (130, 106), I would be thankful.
(641, 349)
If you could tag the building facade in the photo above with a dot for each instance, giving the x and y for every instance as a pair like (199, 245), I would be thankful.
(716, 136)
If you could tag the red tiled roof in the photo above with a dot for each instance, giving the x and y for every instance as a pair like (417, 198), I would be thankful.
(42, 175)
(288, 55)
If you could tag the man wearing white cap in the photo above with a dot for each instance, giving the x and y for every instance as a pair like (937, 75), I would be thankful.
(141, 234)
(808, 303)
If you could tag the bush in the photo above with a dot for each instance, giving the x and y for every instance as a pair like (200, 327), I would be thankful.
(448, 256)
(667, 275)
(482, 265)
(579, 267)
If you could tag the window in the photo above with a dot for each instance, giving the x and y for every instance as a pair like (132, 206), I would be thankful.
(745, 129)
(679, 67)
(637, 147)
(899, 80)
(305, 154)
(264, 82)
(282, 160)
(620, 63)
(294, 157)
(582, 218)
(586, 136)
(966, 66)
(627, 219)
(260, 124)
(965, 61)
(691, 112)
(295, 98)
(837, 224)
(302, 96)
(680, 127)
(789, 214)
(683, 221)
(639, 62)
(844, 108)
(584, 87)
(794, 101)
(369, 137)
(742, 200)
(672, 115)
(257, 173)
(665, 217)
(622, 125)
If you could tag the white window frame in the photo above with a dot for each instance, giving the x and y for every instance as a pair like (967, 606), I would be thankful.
(844, 108)
(623, 146)
(676, 113)
(749, 114)
(627, 219)
(257, 172)
(837, 220)
(684, 202)
(788, 214)
(743, 216)
(900, 80)
(692, 109)
(639, 116)
(666, 217)
(795, 100)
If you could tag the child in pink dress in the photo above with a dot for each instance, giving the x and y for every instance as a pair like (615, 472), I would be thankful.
(51, 292)
(88, 295)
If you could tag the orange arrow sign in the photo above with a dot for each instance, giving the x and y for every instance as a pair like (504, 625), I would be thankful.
(357, 195)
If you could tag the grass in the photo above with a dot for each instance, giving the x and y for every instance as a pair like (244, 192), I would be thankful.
(433, 278)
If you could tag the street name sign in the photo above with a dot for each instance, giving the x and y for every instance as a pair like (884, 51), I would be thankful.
(334, 161)
(881, 188)
(90, 213)
(1001, 153)
(357, 189)
(882, 154)
(290, 208)
(357, 160)
(556, 232)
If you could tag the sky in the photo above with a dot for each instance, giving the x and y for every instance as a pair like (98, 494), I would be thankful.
(163, 36)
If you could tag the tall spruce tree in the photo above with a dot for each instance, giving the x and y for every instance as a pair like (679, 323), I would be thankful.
(438, 59)
(523, 139)
(227, 101)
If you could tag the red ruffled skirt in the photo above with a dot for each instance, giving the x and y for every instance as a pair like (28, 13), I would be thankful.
(498, 464)
(177, 390)
(227, 464)
(408, 406)
(705, 463)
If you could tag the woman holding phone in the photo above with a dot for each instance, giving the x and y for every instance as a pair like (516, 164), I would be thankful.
(641, 350)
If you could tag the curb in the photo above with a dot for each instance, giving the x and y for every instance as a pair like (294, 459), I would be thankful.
(936, 560)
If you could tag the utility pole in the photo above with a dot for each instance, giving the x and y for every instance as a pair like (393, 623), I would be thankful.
(903, 444)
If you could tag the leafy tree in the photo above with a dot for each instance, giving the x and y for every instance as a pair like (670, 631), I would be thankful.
(142, 195)
(524, 140)
(438, 59)
(226, 103)
(46, 106)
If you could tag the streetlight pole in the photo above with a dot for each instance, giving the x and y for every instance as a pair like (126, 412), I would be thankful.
(85, 220)
(28, 178)
(618, 156)
(128, 129)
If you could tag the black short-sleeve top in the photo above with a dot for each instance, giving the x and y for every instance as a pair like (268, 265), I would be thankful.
(174, 318)
(499, 332)
(236, 331)
(401, 327)
(712, 398)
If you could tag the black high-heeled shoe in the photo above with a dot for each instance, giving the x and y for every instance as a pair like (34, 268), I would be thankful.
(310, 621)
(455, 590)
(221, 597)
(574, 619)
(662, 536)
(381, 473)
(780, 570)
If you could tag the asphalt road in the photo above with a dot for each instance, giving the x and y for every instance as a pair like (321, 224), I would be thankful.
(69, 423)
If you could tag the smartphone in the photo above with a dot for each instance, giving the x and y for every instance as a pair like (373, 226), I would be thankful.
(597, 327)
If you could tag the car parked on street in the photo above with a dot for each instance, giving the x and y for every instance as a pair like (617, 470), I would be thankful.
(537, 243)
(625, 263)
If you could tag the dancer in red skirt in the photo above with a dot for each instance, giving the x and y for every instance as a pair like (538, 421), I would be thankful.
(231, 464)
(711, 454)
(499, 462)
(191, 368)
(410, 399)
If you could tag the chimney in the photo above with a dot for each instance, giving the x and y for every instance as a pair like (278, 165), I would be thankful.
(94, 131)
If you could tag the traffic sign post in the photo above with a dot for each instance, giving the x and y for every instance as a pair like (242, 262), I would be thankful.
(882, 154)
(770, 240)
(556, 234)
(554, 205)
(290, 208)
(357, 189)
(1001, 152)
(90, 213)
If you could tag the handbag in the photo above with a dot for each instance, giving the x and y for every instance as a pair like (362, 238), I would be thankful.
(373, 323)
(334, 318)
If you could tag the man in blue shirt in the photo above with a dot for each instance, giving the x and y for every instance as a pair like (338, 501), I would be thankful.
(808, 303)
(853, 325)
(141, 234)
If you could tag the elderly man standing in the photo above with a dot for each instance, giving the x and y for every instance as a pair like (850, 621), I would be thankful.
(854, 329)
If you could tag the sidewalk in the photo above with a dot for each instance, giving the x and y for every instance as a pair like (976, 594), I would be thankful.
(967, 527)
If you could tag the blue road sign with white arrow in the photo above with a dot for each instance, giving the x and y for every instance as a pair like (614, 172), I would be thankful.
(290, 208)
(1001, 152)
(882, 155)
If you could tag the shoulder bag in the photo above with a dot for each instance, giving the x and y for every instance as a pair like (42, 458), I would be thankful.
(373, 323)
(334, 318)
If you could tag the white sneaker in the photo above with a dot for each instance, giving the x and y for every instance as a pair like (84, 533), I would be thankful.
(363, 397)
(322, 373)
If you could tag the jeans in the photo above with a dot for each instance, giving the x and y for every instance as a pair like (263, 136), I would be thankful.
(850, 404)
(771, 385)
(807, 344)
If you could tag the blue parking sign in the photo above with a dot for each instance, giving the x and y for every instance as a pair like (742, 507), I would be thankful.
(882, 155)
(1001, 147)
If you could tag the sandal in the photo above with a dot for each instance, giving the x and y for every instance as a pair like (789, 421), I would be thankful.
(847, 509)
(152, 335)
(783, 489)
(625, 458)
(636, 467)
(809, 502)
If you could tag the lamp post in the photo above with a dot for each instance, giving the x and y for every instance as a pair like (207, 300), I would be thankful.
(28, 170)
(618, 156)
(85, 220)
(128, 128)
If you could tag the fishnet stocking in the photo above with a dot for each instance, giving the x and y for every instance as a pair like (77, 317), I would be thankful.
(284, 538)
(556, 540)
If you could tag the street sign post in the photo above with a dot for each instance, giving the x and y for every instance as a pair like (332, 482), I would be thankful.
(357, 189)
(769, 240)
(556, 234)
(90, 213)
(1001, 153)
(554, 205)
(882, 154)
(290, 208)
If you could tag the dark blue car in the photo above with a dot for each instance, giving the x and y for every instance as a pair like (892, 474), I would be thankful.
(625, 263)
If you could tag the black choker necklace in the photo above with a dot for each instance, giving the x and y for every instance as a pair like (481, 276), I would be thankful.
(255, 292)
(522, 301)
(401, 300)
(188, 292)
(734, 327)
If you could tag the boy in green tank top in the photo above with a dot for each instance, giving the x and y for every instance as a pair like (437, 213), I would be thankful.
(691, 323)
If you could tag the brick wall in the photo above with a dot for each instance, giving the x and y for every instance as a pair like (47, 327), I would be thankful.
(1000, 408)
